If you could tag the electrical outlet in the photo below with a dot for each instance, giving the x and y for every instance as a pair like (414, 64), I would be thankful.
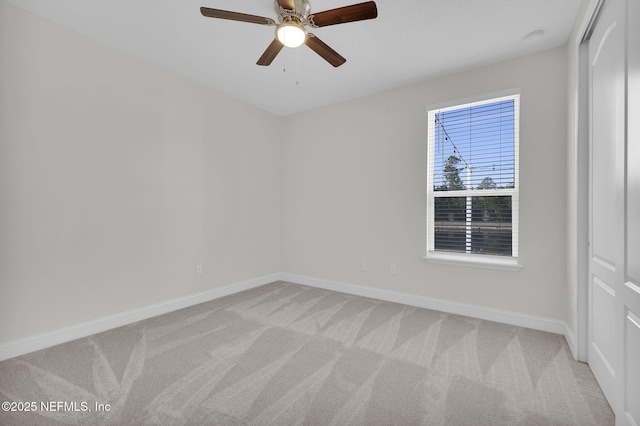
(364, 265)
(393, 270)
(198, 270)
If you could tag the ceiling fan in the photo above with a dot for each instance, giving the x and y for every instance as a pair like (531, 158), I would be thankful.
(293, 16)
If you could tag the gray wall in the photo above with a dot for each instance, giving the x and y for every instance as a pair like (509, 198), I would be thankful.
(354, 189)
(117, 178)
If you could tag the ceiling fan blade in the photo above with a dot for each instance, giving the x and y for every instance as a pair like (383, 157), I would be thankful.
(272, 51)
(287, 4)
(323, 49)
(342, 15)
(235, 16)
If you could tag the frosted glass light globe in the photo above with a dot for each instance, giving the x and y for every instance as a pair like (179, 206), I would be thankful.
(291, 34)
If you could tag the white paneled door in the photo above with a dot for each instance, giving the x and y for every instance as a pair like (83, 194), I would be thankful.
(607, 87)
(614, 207)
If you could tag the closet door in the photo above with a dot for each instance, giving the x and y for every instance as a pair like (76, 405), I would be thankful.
(606, 174)
(614, 207)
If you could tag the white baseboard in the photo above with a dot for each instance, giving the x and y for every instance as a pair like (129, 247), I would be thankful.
(67, 334)
(505, 317)
(570, 337)
(55, 337)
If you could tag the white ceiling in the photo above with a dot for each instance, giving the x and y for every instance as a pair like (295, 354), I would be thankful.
(410, 41)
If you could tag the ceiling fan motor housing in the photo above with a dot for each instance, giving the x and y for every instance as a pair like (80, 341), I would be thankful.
(299, 13)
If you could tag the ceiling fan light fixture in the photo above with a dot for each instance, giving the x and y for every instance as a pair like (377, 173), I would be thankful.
(291, 34)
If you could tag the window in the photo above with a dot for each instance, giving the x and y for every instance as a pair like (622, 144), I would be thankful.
(472, 191)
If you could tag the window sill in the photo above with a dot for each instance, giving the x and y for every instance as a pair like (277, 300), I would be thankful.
(474, 261)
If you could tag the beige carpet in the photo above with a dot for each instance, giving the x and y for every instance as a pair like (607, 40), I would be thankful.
(285, 354)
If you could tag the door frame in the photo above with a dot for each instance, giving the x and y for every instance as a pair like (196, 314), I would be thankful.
(580, 92)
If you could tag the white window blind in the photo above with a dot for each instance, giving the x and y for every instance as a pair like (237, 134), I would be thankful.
(472, 194)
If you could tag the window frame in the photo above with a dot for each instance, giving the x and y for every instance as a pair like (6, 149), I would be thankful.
(474, 259)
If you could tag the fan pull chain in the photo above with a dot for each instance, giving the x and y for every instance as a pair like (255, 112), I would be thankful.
(296, 68)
